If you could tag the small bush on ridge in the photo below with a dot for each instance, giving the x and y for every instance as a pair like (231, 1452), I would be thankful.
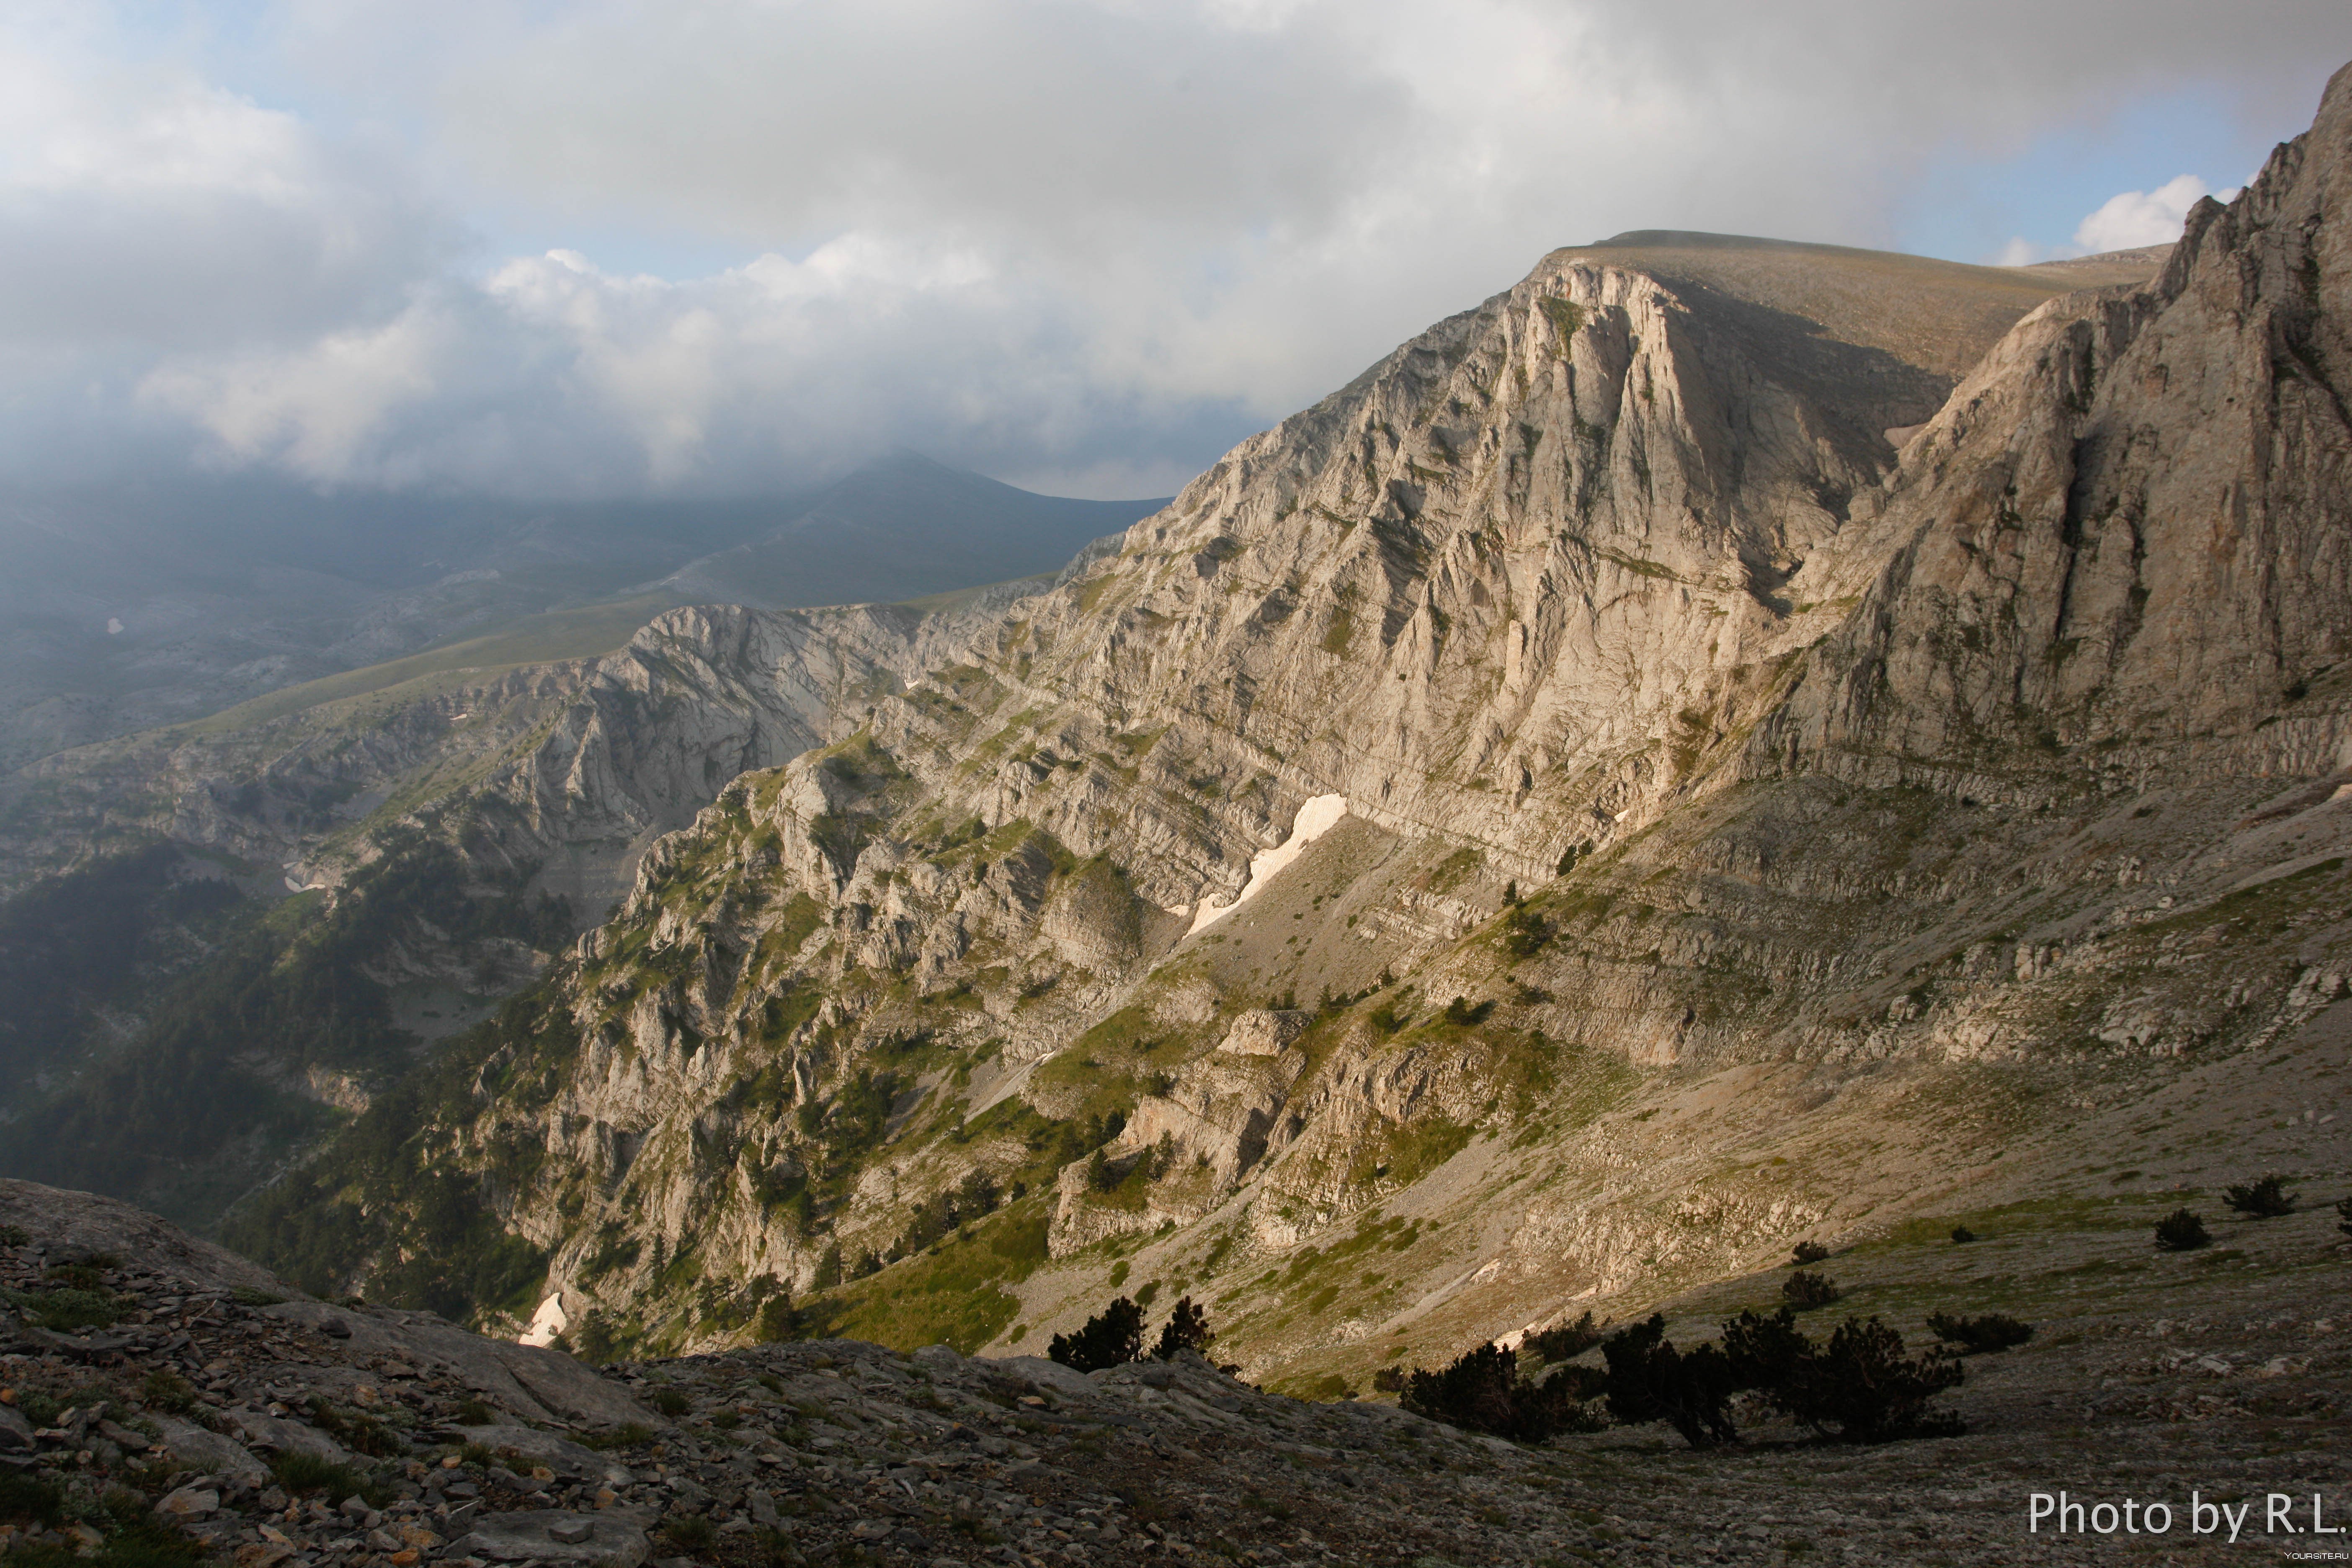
(1993, 1332)
(1187, 1329)
(2264, 1199)
(1483, 1390)
(1806, 1252)
(2182, 1231)
(1806, 1289)
(1111, 1338)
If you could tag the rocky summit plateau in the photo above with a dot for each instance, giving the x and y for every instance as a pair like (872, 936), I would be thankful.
(1734, 773)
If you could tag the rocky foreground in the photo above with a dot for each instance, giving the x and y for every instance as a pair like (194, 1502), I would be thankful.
(221, 1416)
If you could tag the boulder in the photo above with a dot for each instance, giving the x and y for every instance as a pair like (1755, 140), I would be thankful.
(607, 1540)
(192, 1448)
(1265, 1031)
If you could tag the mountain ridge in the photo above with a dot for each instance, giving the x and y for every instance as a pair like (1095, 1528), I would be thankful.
(1705, 755)
(1749, 822)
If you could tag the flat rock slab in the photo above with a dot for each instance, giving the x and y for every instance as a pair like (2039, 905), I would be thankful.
(193, 1448)
(554, 1535)
(69, 1221)
(527, 1380)
(566, 1458)
(1039, 1373)
(286, 1436)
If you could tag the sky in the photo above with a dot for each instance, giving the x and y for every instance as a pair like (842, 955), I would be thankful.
(604, 248)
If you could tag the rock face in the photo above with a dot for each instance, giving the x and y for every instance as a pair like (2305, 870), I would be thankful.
(1751, 828)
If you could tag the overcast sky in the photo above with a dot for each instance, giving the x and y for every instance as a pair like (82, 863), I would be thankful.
(605, 247)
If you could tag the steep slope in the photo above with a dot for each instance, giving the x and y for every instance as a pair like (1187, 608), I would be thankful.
(174, 1021)
(212, 1402)
(1732, 825)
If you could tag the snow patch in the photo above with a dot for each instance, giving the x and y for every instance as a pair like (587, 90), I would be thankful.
(1315, 818)
(547, 1322)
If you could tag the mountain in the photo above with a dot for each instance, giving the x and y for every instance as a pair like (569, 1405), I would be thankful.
(1723, 743)
(902, 528)
(127, 609)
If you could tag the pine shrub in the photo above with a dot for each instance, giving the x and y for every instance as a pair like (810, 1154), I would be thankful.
(1862, 1388)
(1649, 1380)
(1765, 1352)
(1483, 1390)
(1806, 1289)
(1961, 1232)
(1187, 1329)
(2266, 1198)
(1992, 1331)
(1111, 1338)
(1809, 1252)
(2182, 1231)
(1563, 1341)
(2344, 1210)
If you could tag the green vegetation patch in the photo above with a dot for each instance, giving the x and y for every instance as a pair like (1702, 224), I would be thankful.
(952, 1295)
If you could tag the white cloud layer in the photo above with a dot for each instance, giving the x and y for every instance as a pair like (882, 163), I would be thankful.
(2135, 218)
(2127, 220)
(1082, 243)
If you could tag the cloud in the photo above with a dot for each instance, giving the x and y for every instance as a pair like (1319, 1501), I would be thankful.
(140, 204)
(582, 383)
(1082, 242)
(2134, 218)
(2127, 220)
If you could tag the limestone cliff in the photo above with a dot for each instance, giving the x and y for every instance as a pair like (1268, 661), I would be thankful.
(1752, 828)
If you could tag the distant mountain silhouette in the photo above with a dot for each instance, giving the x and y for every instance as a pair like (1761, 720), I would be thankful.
(899, 528)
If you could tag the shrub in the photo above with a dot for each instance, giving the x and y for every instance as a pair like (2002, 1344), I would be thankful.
(628, 1435)
(1388, 1380)
(1993, 1332)
(1806, 1289)
(1809, 1252)
(1649, 1380)
(2265, 1199)
(305, 1475)
(28, 1499)
(167, 1391)
(1963, 1234)
(1463, 1011)
(1187, 1329)
(1111, 1338)
(1862, 1388)
(2182, 1231)
(690, 1533)
(1482, 1391)
(1765, 1352)
(670, 1402)
(2344, 1209)
(69, 1310)
(360, 1434)
(1563, 1341)
(1524, 933)
(474, 1413)
(597, 1341)
(778, 1319)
